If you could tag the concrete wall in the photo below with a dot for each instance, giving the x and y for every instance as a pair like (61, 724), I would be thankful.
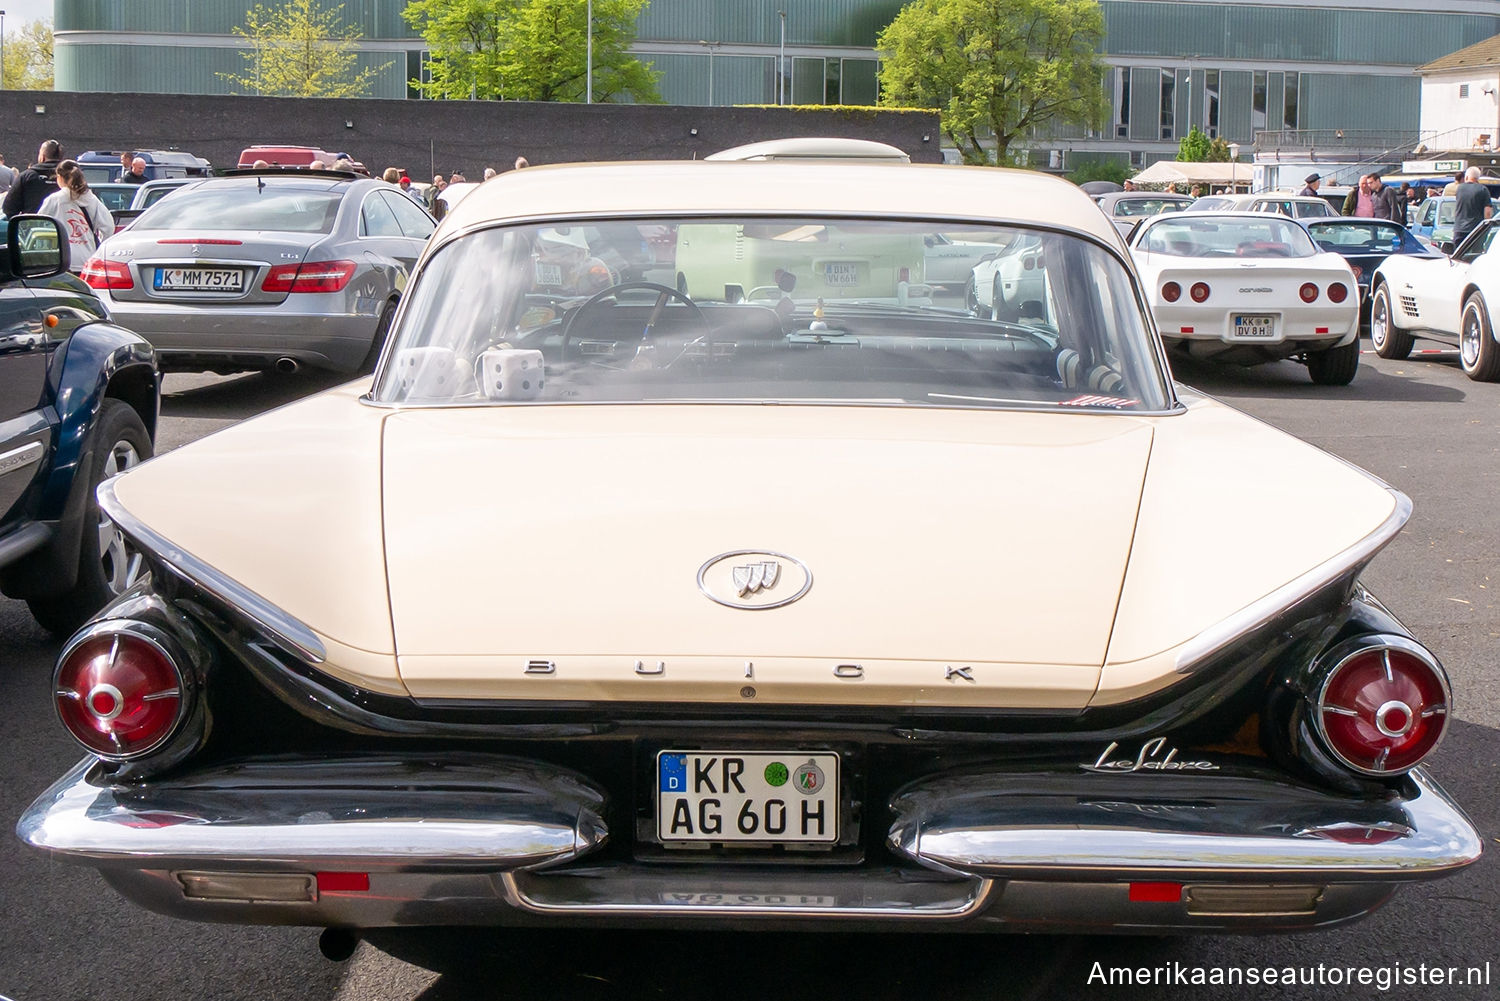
(424, 136)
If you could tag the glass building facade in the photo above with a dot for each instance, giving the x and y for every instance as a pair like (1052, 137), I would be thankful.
(1230, 68)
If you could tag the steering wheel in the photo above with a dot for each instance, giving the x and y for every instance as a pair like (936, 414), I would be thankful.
(664, 292)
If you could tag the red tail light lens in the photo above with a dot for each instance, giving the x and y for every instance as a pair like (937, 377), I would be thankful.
(1338, 292)
(105, 274)
(322, 276)
(1308, 292)
(1171, 291)
(1383, 708)
(119, 694)
(1199, 291)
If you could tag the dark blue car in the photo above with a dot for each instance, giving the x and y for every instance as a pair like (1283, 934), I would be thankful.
(1364, 243)
(79, 398)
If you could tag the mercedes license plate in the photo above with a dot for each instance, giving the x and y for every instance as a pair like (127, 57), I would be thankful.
(1254, 326)
(199, 280)
(841, 273)
(742, 796)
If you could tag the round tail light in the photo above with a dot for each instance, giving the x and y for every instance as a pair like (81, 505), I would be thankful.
(1171, 291)
(1338, 292)
(1383, 707)
(119, 693)
(1308, 292)
(1199, 291)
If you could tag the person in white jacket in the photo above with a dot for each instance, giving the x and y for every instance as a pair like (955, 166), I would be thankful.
(84, 217)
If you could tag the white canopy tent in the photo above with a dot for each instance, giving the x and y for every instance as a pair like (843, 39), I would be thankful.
(1212, 176)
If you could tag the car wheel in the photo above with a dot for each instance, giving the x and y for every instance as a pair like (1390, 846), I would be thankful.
(108, 564)
(1477, 351)
(971, 296)
(1386, 339)
(999, 308)
(377, 344)
(1334, 366)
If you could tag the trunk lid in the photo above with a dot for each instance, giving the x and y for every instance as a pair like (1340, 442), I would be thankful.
(169, 255)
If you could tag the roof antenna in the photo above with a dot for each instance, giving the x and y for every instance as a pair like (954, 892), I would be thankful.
(260, 183)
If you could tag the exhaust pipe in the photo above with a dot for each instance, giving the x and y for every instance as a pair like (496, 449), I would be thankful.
(287, 366)
(337, 944)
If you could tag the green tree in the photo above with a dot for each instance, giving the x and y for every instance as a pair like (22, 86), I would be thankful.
(28, 57)
(1196, 147)
(995, 67)
(1101, 170)
(531, 50)
(301, 49)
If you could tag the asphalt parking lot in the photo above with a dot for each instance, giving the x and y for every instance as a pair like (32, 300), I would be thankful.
(1419, 424)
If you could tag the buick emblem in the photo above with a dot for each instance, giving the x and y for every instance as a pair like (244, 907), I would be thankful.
(754, 579)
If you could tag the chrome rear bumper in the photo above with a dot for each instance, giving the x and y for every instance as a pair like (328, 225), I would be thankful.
(500, 841)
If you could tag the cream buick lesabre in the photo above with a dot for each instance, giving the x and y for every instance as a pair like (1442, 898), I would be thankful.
(756, 590)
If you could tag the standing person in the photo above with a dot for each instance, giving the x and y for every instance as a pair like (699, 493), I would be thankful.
(436, 188)
(489, 172)
(1471, 207)
(521, 161)
(136, 174)
(405, 184)
(7, 175)
(84, 217)
(1310, 186)
(1452, 186)
(1383, 201)
(392, 175)
(36, 182)
(1129, 185)
(1359, 201)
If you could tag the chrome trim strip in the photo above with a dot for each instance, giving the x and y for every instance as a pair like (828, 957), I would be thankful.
(989, 829)
(290, 634)
(902, 900)
(396, 815)
(20, 458)
(1196, 650)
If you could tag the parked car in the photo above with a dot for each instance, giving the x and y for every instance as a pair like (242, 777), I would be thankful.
(1247, 288)
(1443, 299)
(1364, 243)
(1280, 202)
(1010, 283)
(265, 270)
(102, 166)
(508, 636)
(115, 197)
(950, 261)
(1432, 221)
(148, 194)
(1126, 208)
(79, 406)
(285, 156)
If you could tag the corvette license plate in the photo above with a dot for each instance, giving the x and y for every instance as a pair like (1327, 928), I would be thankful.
(747, 797)
(1254, 326)
(199, 280)
(841, 273)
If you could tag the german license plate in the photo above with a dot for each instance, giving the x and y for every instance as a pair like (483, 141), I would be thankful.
(841, 273)
(199, 280)
(740, 796)
(548, 274)
(1254, 326)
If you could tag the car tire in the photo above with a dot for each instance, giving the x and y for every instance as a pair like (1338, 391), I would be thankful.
(377, 343)
(1386, 339)
(1334, 366)
(999, 308)
(107, 564)
(1477, 350)
(971, 296)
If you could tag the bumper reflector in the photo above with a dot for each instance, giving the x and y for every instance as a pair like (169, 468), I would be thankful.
(343, 882)
(1155, 893)
(1230, 901)
(250, 887)
(1320, 330)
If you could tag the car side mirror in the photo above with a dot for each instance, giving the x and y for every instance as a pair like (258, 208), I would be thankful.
(34, 246)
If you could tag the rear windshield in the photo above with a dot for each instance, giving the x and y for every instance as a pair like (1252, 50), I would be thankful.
(246, 205)
(825, 310)
(1348, 236)
(1227, 236)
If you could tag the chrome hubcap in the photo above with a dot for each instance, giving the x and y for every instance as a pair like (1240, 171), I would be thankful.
(1377, 322)
(1468, 339)
(121, 562)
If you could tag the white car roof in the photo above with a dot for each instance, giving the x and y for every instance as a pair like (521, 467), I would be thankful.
(920, 191)
(813, 148)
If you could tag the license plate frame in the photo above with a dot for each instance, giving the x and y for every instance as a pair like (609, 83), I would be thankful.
(840, 274)
(687, 813)
(175, 280)
(1254, 326)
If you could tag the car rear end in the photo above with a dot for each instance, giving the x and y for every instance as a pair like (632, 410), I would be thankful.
(243, 273)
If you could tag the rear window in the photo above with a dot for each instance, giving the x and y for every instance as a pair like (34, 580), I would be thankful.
(1230, 236)
(246, 205)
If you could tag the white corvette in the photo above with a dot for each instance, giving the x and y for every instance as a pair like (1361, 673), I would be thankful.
(1247, 288)
(1445, 299)
(1010, 284)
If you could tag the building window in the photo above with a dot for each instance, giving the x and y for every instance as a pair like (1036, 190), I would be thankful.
(1211, 103)
(1168, 104)
(1289, 104)
(1258, 103)
(1463, 90)
(1122, 105)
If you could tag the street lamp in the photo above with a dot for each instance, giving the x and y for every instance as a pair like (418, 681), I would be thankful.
(2, 50)
(781, 62)
(588, 97)
(711, 46)
(1234, 167)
